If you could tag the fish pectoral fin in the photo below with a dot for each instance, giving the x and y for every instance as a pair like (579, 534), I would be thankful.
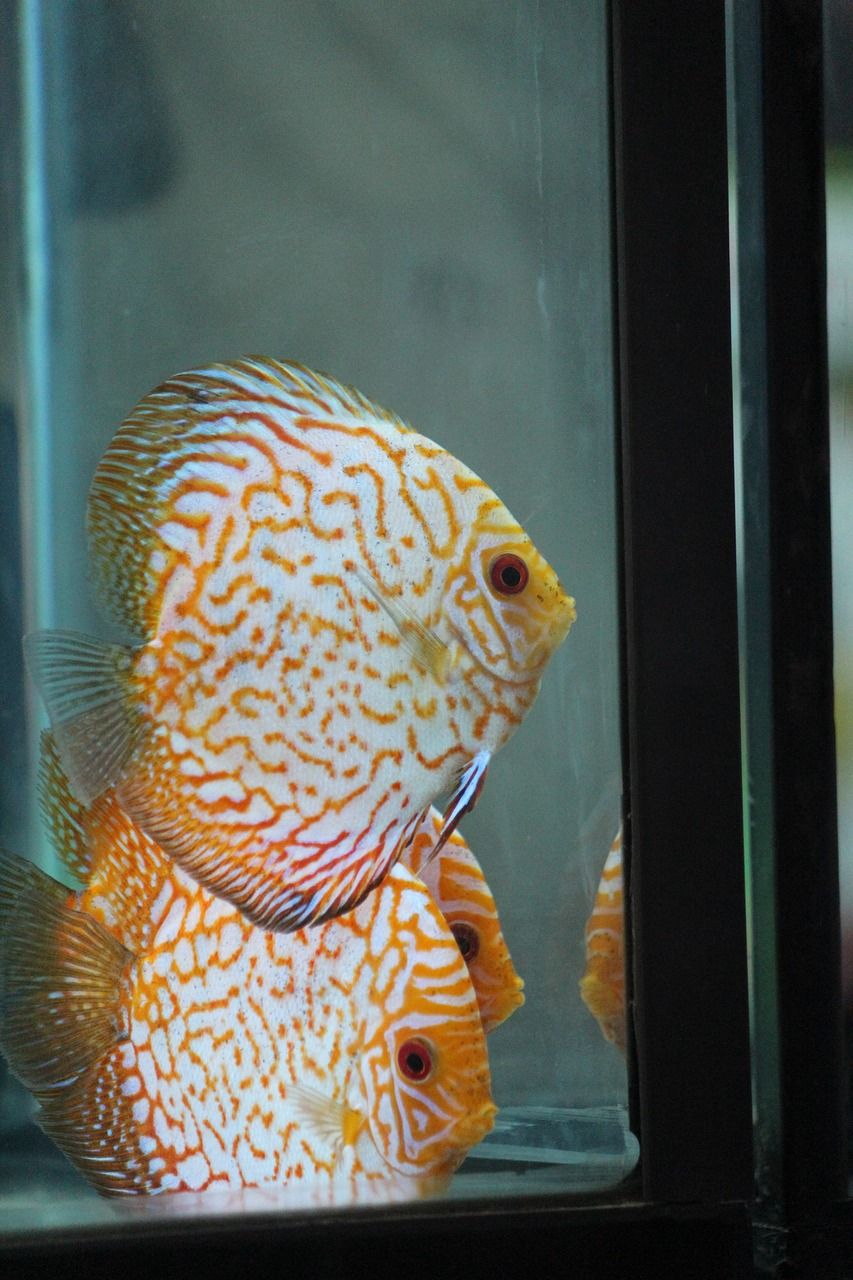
(86, 687)
(427, 649)
(467, 792)
(330, 1119)
(61, 976)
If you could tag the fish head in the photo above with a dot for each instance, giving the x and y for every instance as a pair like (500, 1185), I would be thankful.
(504, 602)
(425, 1069)
(499, 988)
(456, 881)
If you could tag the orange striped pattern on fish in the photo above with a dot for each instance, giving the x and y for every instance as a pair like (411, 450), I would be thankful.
(337, 619)
(174, 1046)
(120, 866)
(602, 986)
(456, 881)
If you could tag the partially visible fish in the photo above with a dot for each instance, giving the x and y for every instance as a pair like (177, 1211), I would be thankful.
(459, 887)
(174, 1046)
(86, 840)
(338, 620)
(602, 986)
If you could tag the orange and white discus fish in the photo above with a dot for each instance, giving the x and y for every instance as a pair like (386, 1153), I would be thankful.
(456, 881)
(454, 878)
(602, 986)
(338, 620)
(175, 1046)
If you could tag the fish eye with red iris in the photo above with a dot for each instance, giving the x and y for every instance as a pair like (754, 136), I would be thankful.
(415, 1060)
(508, 574)
(467, 939)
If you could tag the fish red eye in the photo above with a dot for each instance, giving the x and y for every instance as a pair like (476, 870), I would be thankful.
(508, 574)
(414, 1060)
(467, 939)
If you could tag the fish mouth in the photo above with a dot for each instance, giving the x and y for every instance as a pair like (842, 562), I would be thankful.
(507, 1004)
(562, 624)
(478, 1124)
(471, 1130)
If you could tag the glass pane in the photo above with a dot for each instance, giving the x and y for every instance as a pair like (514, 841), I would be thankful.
(751, 450)
(839, 249)
(420, 207)
(766, 467)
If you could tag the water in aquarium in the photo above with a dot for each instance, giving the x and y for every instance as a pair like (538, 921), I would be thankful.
(343, 272)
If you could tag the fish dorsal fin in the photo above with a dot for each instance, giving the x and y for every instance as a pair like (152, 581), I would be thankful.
(122, 868)
(86, 685)
(63, 814)
(60, 979)
(190, 424)
(127, 871)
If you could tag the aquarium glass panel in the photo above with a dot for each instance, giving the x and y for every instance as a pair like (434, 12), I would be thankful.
(839, 249)
(414, 199)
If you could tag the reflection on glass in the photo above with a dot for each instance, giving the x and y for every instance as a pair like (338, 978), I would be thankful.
(420, 208)
(839, 251)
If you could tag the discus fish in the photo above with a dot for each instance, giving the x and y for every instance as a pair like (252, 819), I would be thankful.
(453, 877)
(339, 623)
(219, 1055)
(602, 986)
(456, 881)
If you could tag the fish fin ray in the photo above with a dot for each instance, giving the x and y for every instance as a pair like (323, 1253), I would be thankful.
(60, 979)
(269, 896)
(85, 686)
(63, 815)
(91, 1122)
(427, 649)
(323, 1114)
(469, 787)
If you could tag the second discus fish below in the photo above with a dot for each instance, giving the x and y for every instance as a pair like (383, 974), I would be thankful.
(174, 1046)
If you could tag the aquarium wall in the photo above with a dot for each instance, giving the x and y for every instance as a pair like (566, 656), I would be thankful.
(414, 200)
(839, 250)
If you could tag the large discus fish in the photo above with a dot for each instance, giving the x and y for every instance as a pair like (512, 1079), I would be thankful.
(339, 622)
(174, 1046)
(602, 986)
(456, 881)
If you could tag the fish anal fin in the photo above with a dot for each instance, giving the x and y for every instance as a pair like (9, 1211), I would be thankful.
(469, 788)
(61, 979)
(269, 889)
(91, 1121)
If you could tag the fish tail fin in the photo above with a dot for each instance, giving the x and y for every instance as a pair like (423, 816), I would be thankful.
(87, 687)
(61, 978)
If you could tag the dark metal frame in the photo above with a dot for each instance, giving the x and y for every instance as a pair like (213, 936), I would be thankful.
(687, 1210)
(681, 632)
(788, 605)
